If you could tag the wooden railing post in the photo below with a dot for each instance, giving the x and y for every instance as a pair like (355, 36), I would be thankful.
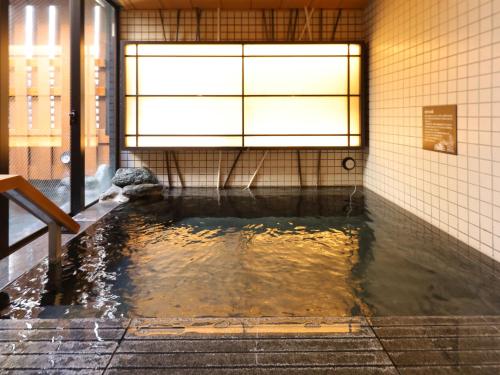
(54, 243)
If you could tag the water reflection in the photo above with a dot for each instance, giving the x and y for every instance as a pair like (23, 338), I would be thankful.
(279, 253)
(245, 267)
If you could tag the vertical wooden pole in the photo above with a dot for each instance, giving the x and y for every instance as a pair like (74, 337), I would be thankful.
(54, 243)
(318, 170)
(178, 170)
(334, 31)
(177, 25)
(232, 168)
(256, 171)
(163, 25)
(218, 24)
(219, 170)
(299, 167)
(169, 175)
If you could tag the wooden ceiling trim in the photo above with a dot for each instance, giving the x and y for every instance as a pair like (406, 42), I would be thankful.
(239, 4)
(243, 4)
(175, 4)
(266, 4)
(295, 4)
(127, 4)
(210, 4)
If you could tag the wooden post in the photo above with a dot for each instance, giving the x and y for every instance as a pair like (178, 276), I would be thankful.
(54, 243)
(307, 25)
(169, 175)
(218, 24)
(179, 173)
(219, 170)
(256, 171)
(299, 167)
(318, 171)
(232, 168)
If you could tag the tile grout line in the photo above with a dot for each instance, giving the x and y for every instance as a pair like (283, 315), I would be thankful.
(125, 330)
(382, 345)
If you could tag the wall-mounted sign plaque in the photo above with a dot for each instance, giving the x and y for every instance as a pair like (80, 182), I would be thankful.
(440, 128)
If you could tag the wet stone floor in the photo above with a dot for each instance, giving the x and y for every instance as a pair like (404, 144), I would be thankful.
(386, 345)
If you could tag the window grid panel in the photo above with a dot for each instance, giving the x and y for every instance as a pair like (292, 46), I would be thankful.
(152, 52)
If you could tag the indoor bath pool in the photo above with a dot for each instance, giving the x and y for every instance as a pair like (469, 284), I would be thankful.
(285, 252)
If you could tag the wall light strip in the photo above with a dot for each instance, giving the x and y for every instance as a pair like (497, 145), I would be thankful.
(29, 23)
(97, 31)
(52, 30)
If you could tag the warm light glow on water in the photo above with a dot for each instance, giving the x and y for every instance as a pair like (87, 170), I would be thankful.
(244, 267)
(270, 253)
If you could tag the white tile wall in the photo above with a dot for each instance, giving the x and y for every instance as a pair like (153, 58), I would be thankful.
(241, 25)
(280, 168)
(430, 52)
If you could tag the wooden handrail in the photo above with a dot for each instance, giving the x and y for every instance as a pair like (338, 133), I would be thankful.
(20, 191)
(23, 188)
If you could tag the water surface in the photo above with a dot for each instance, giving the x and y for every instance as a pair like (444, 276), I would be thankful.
(273, 252)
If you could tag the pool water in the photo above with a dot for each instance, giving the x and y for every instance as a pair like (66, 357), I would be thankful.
(271, 252)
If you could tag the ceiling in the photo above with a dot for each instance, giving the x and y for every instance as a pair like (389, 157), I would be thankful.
(242, 4)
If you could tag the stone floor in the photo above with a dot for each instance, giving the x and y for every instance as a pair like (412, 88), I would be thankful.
(389, 345)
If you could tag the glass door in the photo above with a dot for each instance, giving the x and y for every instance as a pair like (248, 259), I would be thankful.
(39, 88)
(99, 105)
(43, 45)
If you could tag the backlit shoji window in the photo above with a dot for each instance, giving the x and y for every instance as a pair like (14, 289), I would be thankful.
(302, 95)
(183, 95)
(242, 95)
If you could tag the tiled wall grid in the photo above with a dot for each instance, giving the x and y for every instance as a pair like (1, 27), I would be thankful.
(429, 52)
(280, 168)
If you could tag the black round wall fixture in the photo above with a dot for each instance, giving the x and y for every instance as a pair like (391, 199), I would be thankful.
(348, 163)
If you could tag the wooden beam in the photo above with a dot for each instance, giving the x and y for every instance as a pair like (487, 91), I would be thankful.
(219, 170)
(163, 25)
(334, 31)
(179, 173)
(167, 163)
(256, 171)
(299, 168)
(307, 26)
(318, 170)
(232, 168)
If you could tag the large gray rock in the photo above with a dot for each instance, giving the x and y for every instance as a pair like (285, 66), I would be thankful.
(143, 191)
(133, 176)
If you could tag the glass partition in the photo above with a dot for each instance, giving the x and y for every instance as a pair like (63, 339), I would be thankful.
(41, 75)
(99, 87)
(39, 86)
